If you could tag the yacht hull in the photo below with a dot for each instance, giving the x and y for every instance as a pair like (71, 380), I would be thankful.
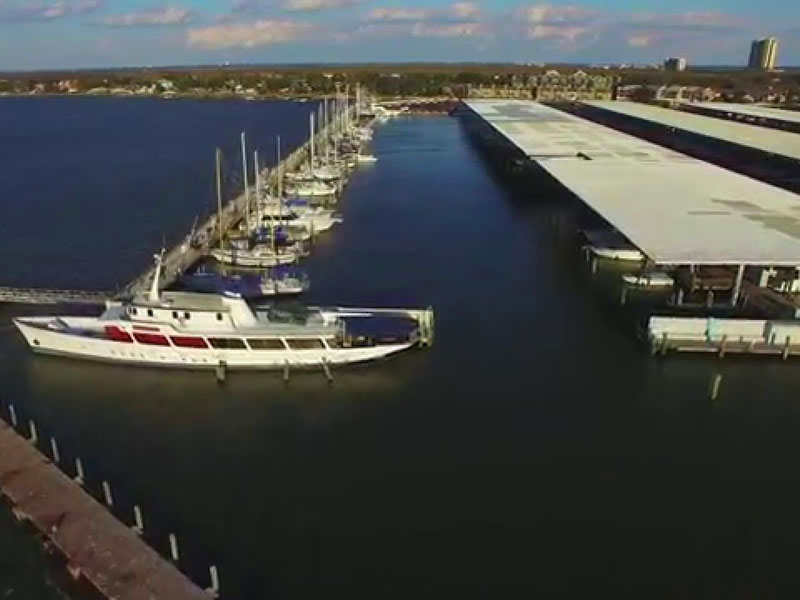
(44, 340)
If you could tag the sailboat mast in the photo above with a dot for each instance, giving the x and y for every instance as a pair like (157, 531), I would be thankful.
(311, 144)
(246, 187)
(219, 195)
(280, 179)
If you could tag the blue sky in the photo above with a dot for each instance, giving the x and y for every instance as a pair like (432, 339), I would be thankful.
(89, 33)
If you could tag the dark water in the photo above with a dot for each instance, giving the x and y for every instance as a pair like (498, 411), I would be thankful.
(534, 450)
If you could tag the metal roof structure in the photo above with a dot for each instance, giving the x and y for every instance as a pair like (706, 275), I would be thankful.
(773, 141)
(750, 110)
(674, 208)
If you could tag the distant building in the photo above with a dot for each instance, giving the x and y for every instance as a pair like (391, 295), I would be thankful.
(555, 86)
(675, 64)
(763, 54)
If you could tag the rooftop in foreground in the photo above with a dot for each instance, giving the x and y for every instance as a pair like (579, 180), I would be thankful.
(750, 110)
(676, 209)
(783, 143)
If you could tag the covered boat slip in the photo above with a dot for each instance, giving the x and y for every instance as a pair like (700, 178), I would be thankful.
(752, 113)
(679, 211)
(781, 143)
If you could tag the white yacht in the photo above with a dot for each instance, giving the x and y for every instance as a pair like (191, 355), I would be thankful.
(190, 330)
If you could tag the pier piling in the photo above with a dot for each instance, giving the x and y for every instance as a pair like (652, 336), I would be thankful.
(138, 520)
(54, 450)
(286, 372)
(173, 547)
(221, 371)
(34, 435)
(12, 413)
(107, 494)
(327, 368)
(79, 476)
(214, 574)
(716, 382)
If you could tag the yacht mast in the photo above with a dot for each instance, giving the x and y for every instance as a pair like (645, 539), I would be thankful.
(219, 195)
(311, 145)
(280, 178)
(246, 187)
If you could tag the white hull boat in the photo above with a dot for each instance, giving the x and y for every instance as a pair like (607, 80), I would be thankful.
(310, 189)
(259, 257)
(190, 330)
(366, 159)
(656, 279)
(626, 254)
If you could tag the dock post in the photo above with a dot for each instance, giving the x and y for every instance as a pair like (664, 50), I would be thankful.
(737, 287)
(623, 297)
(710, 299)
(107, 493)
(722, 345)
(713, 391)
(34, 434)
(326, 367)
(214, 574)
(220, 371)
(594, 265)
(12, 412)
(79, 477)
(286, 372)
(173, 547)
(680, 296)
(664, 338)
(785, 353)
(54, 450)
(137, 517)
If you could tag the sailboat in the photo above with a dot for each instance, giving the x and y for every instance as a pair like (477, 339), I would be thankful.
(313, 181)
(259, 255)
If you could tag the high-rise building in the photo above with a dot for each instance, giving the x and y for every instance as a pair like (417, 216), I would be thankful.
(763, 54)
(675, 64)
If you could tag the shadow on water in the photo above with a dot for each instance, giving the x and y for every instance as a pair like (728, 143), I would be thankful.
(535, 448)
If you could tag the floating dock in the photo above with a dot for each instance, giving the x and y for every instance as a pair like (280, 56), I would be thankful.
(98, 548)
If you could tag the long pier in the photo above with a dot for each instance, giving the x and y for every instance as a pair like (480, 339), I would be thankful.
(184, 255)
(106, 553)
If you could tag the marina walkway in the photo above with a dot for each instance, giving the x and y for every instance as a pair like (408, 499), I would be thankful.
(98, 547)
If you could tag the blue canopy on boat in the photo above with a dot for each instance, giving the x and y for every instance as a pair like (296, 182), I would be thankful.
(380, 326)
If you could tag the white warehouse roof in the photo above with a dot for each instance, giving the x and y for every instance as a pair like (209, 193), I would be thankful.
(774, 141)
(750, 110)
(674, 208)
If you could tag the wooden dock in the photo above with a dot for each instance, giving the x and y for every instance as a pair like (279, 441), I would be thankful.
(98, 548)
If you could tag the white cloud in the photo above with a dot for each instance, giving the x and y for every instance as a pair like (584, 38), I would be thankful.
(640, 41)
(556, 15)
(567, 33)
(248, 35)
(45, 10)
(398, 14)
(459, 12)
(150, 18)
(316, 5)
(449, 30)
(465, 10)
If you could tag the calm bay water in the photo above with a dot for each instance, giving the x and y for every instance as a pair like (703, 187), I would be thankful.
(535, 449)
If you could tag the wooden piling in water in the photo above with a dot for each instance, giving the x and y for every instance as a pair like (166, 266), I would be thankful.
(326, 367)
(716, 382)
